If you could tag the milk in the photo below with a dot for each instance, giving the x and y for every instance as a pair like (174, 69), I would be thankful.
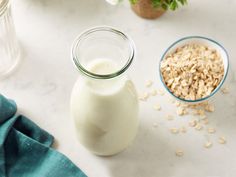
(105, 111)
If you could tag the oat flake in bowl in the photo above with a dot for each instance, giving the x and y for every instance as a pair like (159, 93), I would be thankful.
(194, 68)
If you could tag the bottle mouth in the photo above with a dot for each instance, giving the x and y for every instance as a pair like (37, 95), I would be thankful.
(79, 40)
(3, 6)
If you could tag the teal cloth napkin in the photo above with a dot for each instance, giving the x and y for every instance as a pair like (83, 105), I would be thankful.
(25, 149)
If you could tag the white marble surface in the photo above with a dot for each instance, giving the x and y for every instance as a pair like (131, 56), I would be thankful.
(42, 84)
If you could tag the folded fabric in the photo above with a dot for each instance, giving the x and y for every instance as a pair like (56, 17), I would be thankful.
(25, 148)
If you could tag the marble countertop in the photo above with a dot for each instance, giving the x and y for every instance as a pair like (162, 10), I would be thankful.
(43, 82)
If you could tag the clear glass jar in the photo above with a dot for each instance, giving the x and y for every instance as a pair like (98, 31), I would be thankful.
(9, 49)
(104, 102)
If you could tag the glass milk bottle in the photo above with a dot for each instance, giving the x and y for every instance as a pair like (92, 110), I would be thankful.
(104, 102)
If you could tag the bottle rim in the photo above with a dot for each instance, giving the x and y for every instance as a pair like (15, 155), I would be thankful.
(85, 34)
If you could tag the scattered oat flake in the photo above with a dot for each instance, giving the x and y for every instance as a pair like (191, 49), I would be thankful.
(192, 106)
(208, 144)
(222, 140)
(169, 117)
(204, 103)
(198, 127)
(195, 112)
(161, 92)
(185, 111)
(183, 130)
(192, 123)
(157, 107)
(209, 108)
(142, 99)
(181, 111)
(203, 117)
(225, 90)
(153, 92)
(205, 121)
(174, 130)
(155, 125)
(177, 103)
(144, 96)
(179, 152)
(185, 105)
(149, 83)
(199, 112)
(211, 130)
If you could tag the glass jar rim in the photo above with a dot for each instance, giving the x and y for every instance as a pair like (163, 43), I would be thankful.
(3, 5)
(103, 29)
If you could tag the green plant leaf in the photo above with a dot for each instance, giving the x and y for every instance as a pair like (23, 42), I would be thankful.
(167, 4)
(133, 1)
(173, 5)
(164, 6)
(156, 3)
(183, 2)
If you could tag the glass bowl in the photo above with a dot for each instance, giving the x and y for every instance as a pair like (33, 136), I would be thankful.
(198, 40)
